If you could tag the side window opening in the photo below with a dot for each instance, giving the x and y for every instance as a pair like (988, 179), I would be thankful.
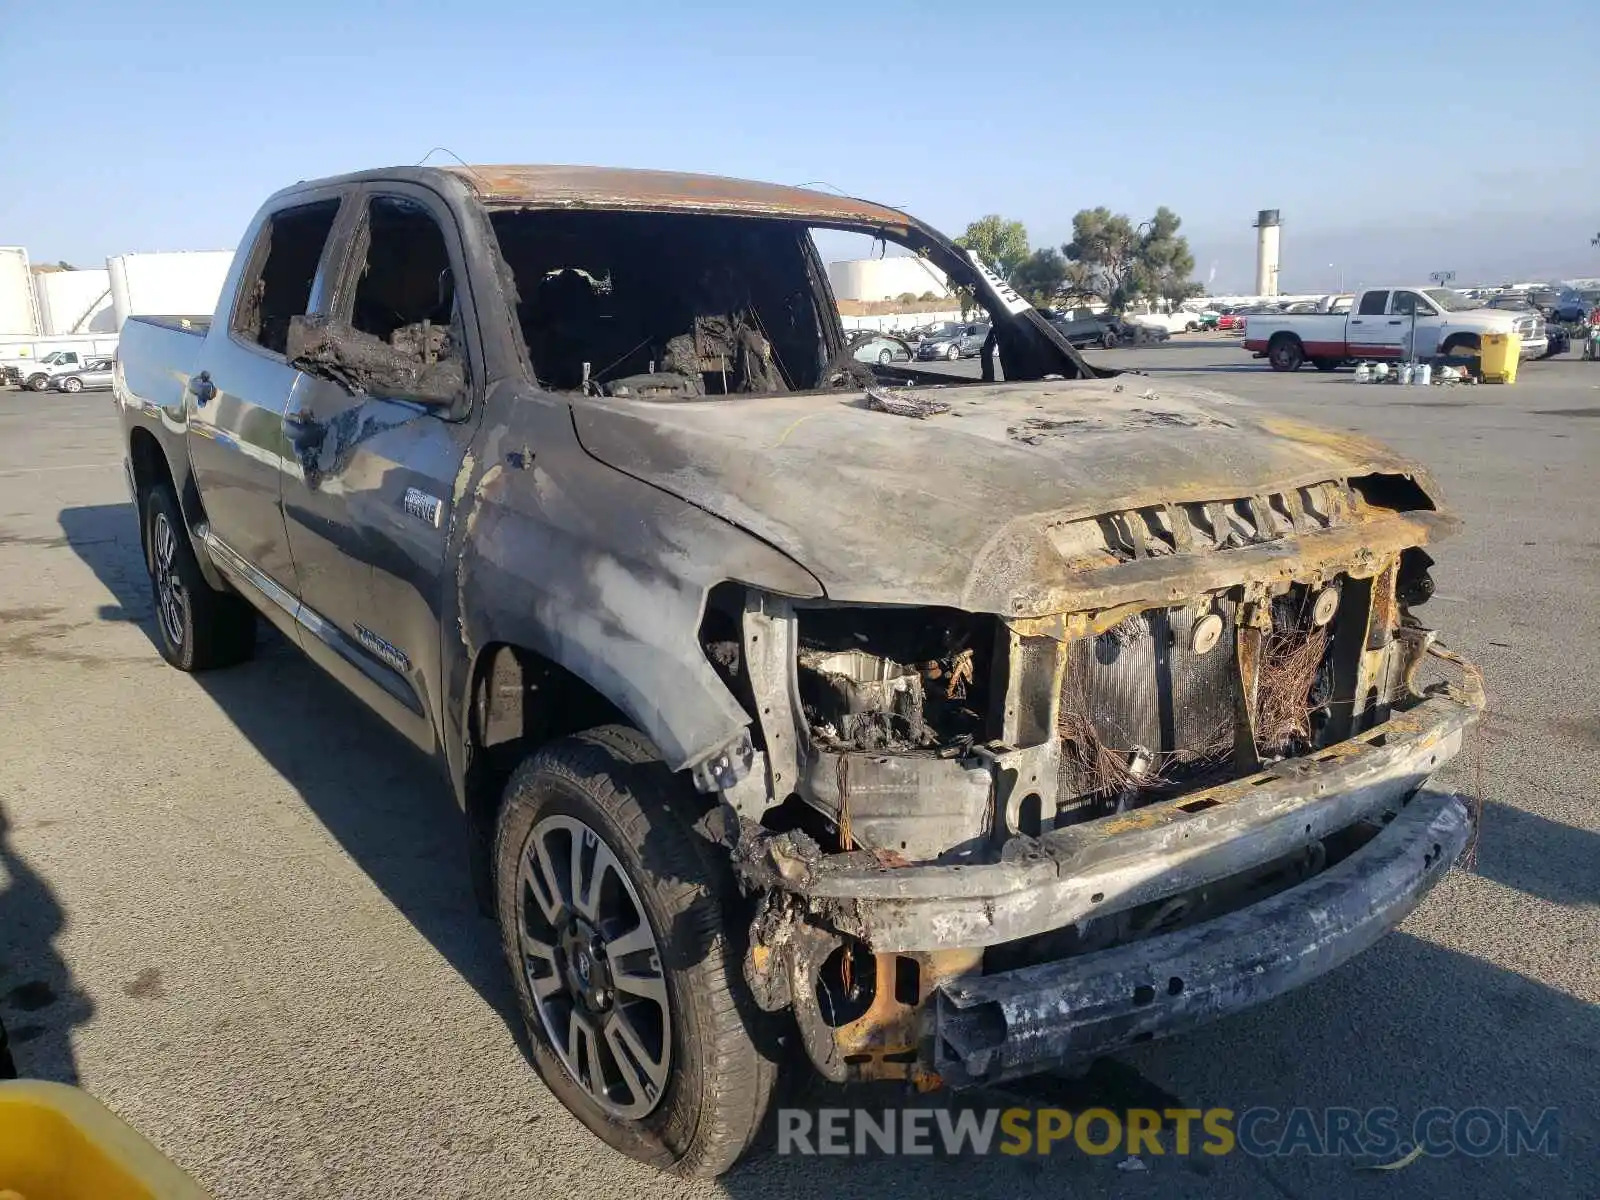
(1373, 303)
(405, 295)
(282, 271)
(1409, 303)
(400, 340)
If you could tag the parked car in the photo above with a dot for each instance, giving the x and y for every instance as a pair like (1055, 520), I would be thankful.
(1090, 331)
(932, 735)
(880, 348)
(953, 342)
(1563, 304)
(95, 375)
(1170, 323)
(1383, 325)
(37, 375)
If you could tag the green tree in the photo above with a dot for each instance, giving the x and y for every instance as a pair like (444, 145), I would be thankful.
(1040, 277)
(906, 298)
(1000, 243)
(1112, 260)
(1163, 262)
(927, 296)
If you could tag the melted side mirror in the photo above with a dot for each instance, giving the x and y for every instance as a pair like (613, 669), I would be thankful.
(421, 368)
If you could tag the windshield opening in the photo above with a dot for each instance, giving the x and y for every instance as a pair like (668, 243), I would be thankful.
(680, 306)
(1450, 301)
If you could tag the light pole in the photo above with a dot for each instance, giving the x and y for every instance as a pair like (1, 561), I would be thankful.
(1338, 278)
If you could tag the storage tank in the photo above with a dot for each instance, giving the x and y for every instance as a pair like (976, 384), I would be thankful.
(74, 302)
(19, 310)
(1267, 233)
(182, 283)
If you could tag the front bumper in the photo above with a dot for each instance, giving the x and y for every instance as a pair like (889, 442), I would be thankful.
(1117, 863)
(1534, 347)
(993, 1027)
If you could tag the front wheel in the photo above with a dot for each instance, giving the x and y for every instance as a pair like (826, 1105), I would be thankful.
(1108, 339)
(72, 385)
(885, 357)
(37, 383)
(197, 627)
(953, 353)
(1325, 364)
(625, 929)
(1286, 354)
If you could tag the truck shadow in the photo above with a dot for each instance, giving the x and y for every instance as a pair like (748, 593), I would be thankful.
(386, 803)
(1407, 1025)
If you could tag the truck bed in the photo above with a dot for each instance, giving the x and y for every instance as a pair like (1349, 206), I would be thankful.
(157, 356)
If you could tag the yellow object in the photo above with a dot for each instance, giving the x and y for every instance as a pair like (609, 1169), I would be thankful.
(1498, 355)
(59, 1143)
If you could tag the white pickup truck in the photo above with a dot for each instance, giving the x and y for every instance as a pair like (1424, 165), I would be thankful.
(1387, 322)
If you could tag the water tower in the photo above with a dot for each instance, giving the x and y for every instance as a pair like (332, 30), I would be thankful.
(1266, 228)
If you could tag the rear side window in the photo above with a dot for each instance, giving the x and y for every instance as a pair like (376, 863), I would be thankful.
(1372, 303)
(282, 269)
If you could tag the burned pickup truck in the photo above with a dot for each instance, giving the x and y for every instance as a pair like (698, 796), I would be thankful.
(945, 729)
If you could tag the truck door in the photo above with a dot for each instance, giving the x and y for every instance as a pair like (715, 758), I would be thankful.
(368, 490)
(1372, 332)
(1419, 328)
(236, 399)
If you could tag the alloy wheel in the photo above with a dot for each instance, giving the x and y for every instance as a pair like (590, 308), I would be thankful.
(593, 967)
(172, 601)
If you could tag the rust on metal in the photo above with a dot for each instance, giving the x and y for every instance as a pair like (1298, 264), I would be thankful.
(544, 186)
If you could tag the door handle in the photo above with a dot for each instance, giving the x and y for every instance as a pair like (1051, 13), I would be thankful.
(1355, 320)
(203, 389)
(1397, 321)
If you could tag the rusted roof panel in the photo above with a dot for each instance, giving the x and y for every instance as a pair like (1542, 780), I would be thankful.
(614, 187)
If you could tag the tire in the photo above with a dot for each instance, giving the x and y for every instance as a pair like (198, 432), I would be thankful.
(1285, 353)
(698, 1089)
(1192, 327)
(885, 357)
(1326, 364)
(37, 383)
(197, 627)
(953, 353)
(72, 385)
(1108, 340)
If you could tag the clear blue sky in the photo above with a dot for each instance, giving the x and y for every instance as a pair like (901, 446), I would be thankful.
(1396, 138)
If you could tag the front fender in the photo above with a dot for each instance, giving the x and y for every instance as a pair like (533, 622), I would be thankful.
(598, 572)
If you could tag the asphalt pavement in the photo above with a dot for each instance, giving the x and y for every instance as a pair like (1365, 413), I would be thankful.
(234, 907)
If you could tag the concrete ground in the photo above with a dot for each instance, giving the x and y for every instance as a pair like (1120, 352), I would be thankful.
(234, 907)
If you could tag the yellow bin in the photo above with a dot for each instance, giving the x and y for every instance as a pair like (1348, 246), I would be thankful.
(59, 1143)
(1498, 356)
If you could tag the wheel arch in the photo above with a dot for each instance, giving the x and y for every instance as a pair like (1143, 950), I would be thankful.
(518, 700)
(151, 467)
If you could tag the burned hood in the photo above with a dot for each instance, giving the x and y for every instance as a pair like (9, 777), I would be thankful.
(966, 507)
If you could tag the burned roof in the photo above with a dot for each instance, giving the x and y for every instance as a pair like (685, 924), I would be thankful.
(666, 191)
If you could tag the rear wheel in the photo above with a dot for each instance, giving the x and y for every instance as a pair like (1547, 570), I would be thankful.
(1285, 353)
(197, 627)
(625, 930)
